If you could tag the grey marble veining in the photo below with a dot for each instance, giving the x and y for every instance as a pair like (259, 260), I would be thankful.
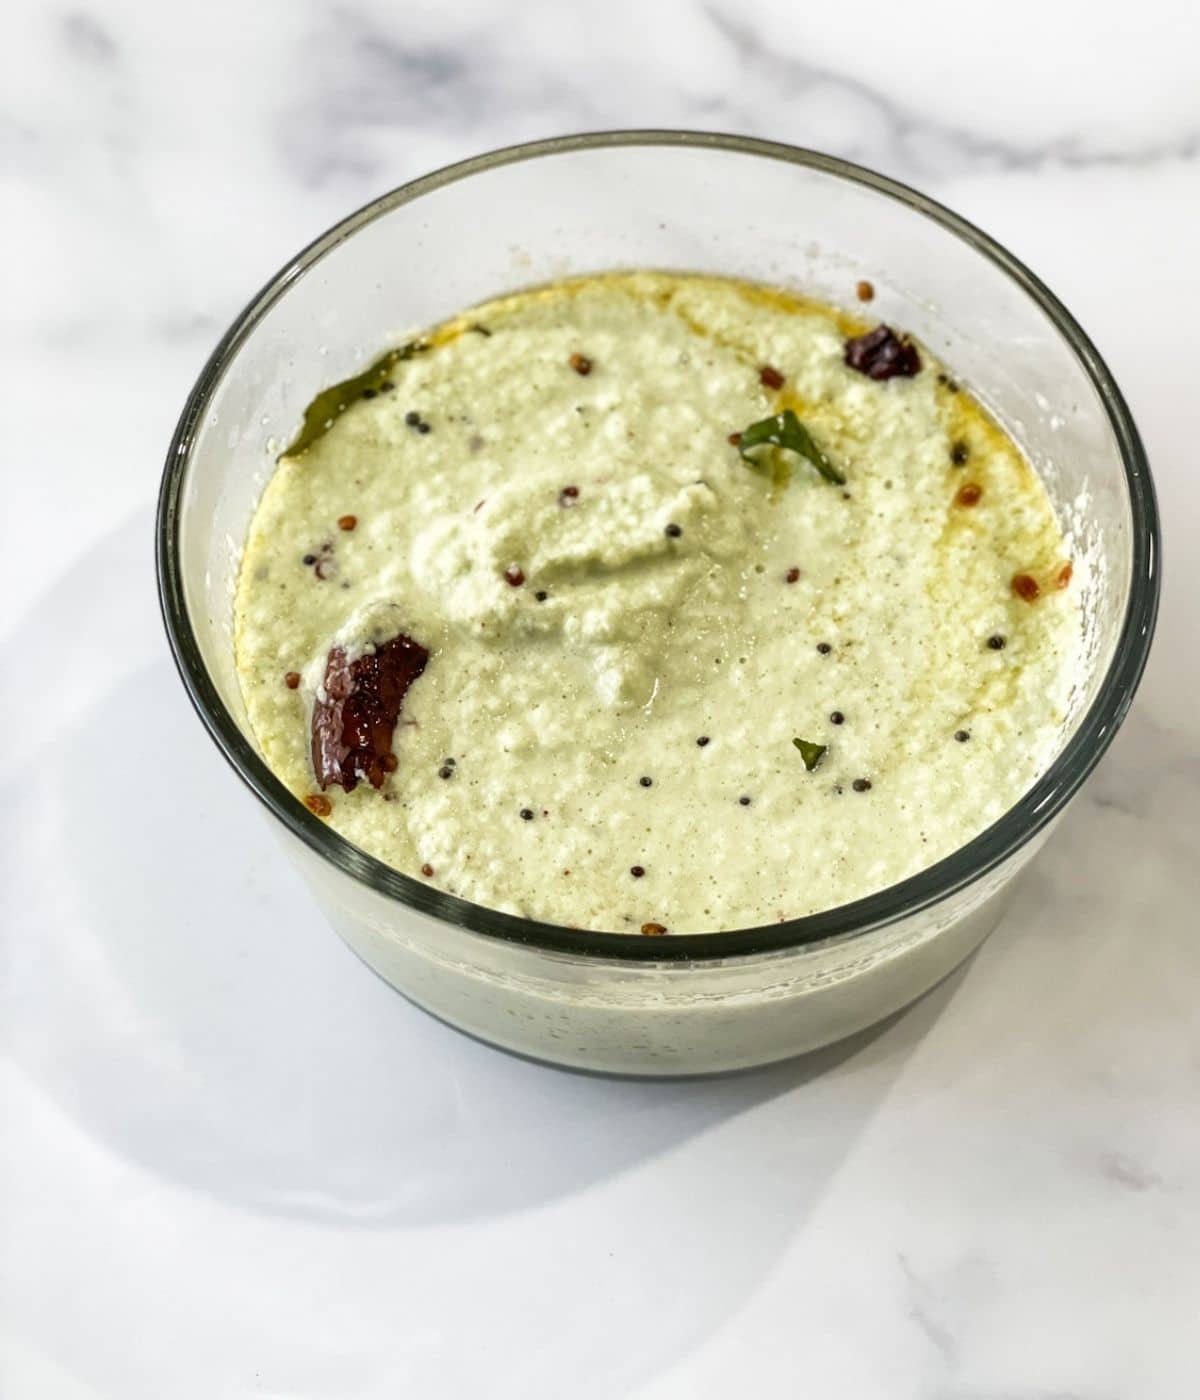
(909, 135)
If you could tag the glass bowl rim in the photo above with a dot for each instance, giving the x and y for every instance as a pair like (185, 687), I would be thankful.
(983, 853)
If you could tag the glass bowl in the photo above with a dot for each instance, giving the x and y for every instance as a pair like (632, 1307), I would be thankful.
(681, 201)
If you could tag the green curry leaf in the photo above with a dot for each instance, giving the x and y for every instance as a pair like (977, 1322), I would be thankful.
(811, 753)
(330, 403)
(786, 430)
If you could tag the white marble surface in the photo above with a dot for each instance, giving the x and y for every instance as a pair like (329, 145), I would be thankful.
(233, 1163)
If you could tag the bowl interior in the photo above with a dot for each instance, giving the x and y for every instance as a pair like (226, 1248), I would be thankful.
(686, 203)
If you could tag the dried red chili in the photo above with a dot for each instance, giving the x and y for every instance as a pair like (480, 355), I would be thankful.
(352, 725)
(882, 354)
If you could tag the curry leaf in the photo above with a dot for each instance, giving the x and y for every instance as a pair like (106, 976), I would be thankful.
(786, 430)
(811, 753)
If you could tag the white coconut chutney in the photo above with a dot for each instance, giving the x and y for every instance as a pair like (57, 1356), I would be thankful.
(629, 625)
